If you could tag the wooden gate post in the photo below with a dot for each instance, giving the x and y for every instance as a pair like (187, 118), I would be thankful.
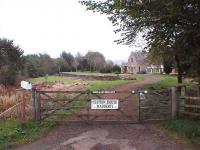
(139, 111)
(36, 105)
(198, 90)
(174, 102)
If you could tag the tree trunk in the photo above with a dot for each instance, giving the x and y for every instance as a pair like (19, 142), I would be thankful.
(179, 69)
(180, 80)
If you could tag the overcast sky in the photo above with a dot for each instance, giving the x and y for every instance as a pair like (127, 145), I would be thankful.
(51, 26)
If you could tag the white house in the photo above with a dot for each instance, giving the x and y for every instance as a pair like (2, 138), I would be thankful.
(136, 64)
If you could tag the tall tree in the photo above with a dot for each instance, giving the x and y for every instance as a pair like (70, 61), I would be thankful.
(39, 65)
(165, 21)
(11, 61)
(31, 66)
(47, 65)
(69, 61)
(96, 61)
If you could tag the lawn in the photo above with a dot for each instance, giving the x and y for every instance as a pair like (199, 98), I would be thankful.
(91, 73)
(14, 132)
(168, 81)
(58, 79)
(102, 85)
(184, 128)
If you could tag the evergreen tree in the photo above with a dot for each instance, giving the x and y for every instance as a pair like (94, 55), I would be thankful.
(11, 61)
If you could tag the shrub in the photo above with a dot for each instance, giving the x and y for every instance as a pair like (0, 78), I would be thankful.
(116, 69)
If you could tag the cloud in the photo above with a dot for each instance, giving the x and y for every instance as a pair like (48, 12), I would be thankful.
(52, 26)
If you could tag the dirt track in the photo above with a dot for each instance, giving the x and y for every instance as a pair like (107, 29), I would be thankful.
(108, 137)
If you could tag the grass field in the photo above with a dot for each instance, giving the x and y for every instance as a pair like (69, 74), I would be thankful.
(14, 132)
(91, 73)
(102, 85)
(93, 85)
(58, 79)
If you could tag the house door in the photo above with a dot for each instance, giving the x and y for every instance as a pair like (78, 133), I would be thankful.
(125, 69)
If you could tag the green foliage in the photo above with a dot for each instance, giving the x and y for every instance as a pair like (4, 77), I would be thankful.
(185, 127)
(67, 62)
(95, 60)
(11, 61)
(14, 132)
(188, 48)
(43, 64)
(39, 65)
(116, 69)
(83, 65)
(106, 69)
(168, 66)
(169, 27)
(111, 69)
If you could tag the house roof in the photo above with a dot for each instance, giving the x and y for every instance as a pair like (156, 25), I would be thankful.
(139, 57)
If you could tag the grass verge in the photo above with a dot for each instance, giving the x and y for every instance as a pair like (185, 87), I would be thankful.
(14, 132)
(184, 128)
(168, 81)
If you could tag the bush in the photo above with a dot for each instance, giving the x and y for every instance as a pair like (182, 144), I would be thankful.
(8, 76)
(142, 72)
(116, 72)
(106, 70)
(116, 69)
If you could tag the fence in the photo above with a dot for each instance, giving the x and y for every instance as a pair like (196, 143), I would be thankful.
(170, 103)
(134, 106)
(16, 104)
(190, 101)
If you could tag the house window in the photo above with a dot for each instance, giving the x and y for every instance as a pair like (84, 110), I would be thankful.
(131, 59)
(132, 69)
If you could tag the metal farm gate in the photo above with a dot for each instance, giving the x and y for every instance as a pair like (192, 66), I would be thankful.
(155, 105)
(86, 106)
(104, 106)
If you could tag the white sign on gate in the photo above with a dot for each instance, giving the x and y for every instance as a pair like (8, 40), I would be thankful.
(104, 104)
(26, 85)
